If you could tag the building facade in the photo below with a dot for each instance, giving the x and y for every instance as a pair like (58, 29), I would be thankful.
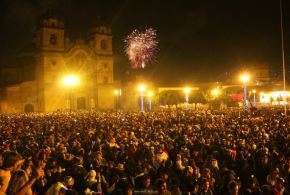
(260, 73)
(55, 57)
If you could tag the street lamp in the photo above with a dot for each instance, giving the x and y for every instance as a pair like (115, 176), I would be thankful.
(186, 91)
(141, 89)
(215, 92)
(254, 92)
(245, 79)
(150, 94)
(69, 82)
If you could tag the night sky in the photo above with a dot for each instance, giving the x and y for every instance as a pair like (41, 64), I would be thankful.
(199, 40)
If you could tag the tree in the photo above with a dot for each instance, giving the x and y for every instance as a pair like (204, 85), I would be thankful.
(170, 98)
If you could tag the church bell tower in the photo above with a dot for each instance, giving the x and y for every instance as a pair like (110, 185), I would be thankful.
(50, 33)
(50, 42)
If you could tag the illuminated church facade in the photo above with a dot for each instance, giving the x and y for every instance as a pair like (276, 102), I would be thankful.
(54, 57)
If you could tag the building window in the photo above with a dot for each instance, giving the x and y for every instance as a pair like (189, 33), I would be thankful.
(53, 62)
(103, 44)
(53, 39)
(105, 66)
(106, 80)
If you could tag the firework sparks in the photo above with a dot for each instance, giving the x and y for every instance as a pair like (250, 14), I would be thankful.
(140, 47)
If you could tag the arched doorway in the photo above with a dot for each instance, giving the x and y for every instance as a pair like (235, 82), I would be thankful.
(81, 103)
(28, 108)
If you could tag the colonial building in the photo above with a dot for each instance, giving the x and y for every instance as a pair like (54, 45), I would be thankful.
(54, 56)
(260, 73)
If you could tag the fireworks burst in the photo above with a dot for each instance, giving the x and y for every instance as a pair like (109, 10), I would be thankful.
(140, 47)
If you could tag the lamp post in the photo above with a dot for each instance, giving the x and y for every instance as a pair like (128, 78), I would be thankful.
(186, 91)
(283, 58)
(215, 93)
(254, 92)
(141, 89)
(117, 93)
(69, 82)
(245, 79)
(150, 94)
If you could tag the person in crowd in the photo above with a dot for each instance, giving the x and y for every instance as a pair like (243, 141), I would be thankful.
(233, 188)
(205, 187)
(174, 186)
(78, 172)
(14, 180)
(161, 187)
(252, 187)
(11, 162)
(18, 180)
(143, 183)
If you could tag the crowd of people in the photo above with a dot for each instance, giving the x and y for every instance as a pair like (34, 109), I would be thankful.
(165, 152)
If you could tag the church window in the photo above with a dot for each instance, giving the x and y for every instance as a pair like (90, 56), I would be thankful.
(53, 39)
(103, 44)
(53, 62)
(105, 66)
(106, 80)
